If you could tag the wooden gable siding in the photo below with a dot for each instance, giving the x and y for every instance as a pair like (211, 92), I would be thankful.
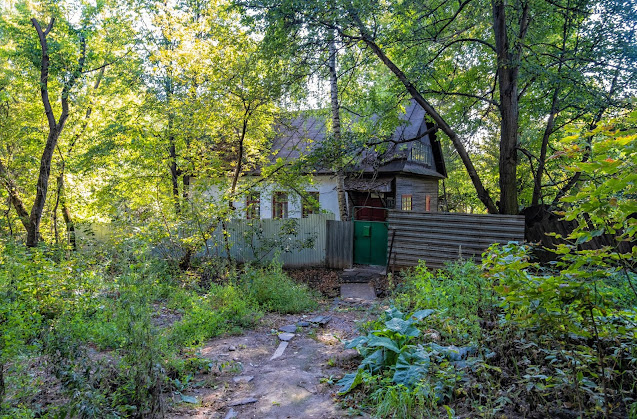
(418, 188)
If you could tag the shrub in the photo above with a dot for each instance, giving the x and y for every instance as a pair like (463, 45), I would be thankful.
(273, 290)
(459, 292)
(226, 308)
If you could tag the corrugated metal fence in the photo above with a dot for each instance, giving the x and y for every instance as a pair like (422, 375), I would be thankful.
(299, 241)
(340, 244)
(436, 237)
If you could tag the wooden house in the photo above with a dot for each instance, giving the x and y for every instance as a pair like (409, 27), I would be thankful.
(404, 177)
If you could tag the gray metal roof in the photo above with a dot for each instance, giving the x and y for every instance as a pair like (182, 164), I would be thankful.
(301, 134)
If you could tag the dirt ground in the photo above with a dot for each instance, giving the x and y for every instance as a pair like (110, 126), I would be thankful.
(248, 384)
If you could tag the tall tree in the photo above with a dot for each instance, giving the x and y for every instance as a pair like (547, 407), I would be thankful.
(464, 63)
(336, 125)
(55, 126)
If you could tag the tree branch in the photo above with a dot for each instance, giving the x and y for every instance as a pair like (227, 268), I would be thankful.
(44, 71)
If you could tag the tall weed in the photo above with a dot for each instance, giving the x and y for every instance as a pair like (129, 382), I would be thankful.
(273, 290)
(459, 292)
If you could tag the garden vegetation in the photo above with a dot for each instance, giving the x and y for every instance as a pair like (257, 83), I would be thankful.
(514, 337)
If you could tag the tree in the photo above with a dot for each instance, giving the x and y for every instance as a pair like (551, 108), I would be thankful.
(460, 61)
(71, 56)
(55, 127)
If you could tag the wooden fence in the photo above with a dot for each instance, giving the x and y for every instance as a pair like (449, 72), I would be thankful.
(437, 237)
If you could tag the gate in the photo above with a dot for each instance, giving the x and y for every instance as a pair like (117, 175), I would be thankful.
(370, 236)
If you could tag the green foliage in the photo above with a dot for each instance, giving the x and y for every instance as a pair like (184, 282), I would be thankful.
(585, 334)
(529, 339)
(459, 293)
(135, 371)
(405, 376)
(224, 309)
(273, 290)
(112, 326)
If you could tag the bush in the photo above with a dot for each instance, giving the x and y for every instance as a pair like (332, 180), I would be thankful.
(226, 308)
(93, 320)
(273, 290)
(459, 292)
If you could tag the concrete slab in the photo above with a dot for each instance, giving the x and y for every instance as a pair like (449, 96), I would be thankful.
(364, 291)
(290, 328)
(363, 273)
(286, 337)
(279, 350)
(321, 320)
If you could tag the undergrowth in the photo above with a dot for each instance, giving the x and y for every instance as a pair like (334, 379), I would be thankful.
(511, 339)
(108, 333)
(275, 291)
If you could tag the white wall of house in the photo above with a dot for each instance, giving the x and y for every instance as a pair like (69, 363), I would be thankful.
(325, 185)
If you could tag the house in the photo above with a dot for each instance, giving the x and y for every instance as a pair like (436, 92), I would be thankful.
(404, 177)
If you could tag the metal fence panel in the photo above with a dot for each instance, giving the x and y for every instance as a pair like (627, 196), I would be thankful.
(437, 237)
(299, 241)
(340, 244)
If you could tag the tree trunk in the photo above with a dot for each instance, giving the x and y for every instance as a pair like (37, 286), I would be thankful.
(508, 72)
(336, 129)
(548, 130)
(66, 213)
(55, 128)
(550, 123)
(42, 187)
(186, 187)
(239, 167)
(174, 172)
(172, 147)
(14, 196)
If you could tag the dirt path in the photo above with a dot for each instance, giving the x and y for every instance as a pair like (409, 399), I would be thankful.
(247, 383)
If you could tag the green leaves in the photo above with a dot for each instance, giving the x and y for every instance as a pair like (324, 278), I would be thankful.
(411, 366)
(384, 342)
(402, 327)
(350, 381)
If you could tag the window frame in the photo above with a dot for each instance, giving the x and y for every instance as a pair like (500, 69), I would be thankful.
(308, 208)
(253, 206)
(280, 207)
(406, 199)
(421, 153)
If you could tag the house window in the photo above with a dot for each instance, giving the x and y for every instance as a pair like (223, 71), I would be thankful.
(280, 205)
(253, 206)
(310, 204)
(406, 203)
(421, 153)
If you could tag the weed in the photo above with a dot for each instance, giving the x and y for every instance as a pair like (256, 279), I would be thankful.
(273, 290)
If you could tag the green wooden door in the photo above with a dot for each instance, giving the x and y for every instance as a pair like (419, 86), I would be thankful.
(370, 243)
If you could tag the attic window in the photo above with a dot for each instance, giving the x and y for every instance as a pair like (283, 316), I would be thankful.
(310, 204)
(253, 206)
(421, 153)
(280, 205)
